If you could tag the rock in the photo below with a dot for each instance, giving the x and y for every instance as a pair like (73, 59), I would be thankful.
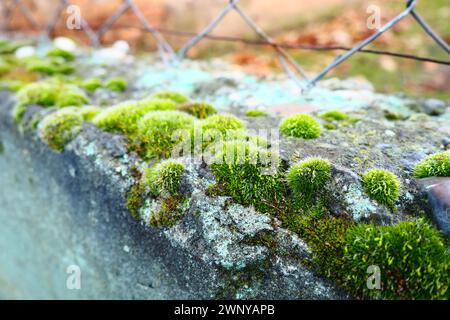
(211, 87)
(437, 189)
(65, 44)
(291, 109)
(25, 52)
(431, 107)
(446, 143)
(389, 133)
(113, 55)
(356, 83)
(251, 251)
(347, 197)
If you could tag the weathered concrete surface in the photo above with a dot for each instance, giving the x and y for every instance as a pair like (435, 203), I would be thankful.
(63, 209)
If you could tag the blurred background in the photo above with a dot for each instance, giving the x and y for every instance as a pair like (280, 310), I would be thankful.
(318, 22)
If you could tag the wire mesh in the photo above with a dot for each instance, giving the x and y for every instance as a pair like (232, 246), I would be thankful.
(172, 57)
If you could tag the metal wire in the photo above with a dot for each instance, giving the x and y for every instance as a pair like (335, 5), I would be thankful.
(170, 57)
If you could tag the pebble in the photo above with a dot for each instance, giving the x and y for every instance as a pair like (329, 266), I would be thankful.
(389, 133)
(65, 44)
(25, 52)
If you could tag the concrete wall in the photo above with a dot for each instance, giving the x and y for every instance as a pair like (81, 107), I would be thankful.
(63, 209)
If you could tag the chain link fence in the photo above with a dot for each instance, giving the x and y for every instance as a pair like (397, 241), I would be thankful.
(172, 57)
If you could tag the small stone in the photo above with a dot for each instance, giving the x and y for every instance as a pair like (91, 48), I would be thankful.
(65, 44)
(384, 146)
(437, 189)
(25, 52)
(446, 143)
(347, 197)
(126, 248)
(433, 107)
(389, 133)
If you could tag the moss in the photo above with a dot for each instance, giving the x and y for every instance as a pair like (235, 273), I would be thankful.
(300, 126)
(60, 127)
(57, 52)
(325, 235)
(222, 122)
(5, 67)
(123, 118)
(171, 95)
(220, 127)
(243, 135)
(91, 84)
(199, 110)
(412, 257)
(334, 115)
(48, 66)
(255, 113)
(156, 129)
(435, 165)
(172, 210)
(9, 47)
(382, 186)
(11, 85)
(350, 121)
(393, 115)
(136, 198)
(214, 190)
(89, 112)
(71, 95)
(329, 126)
(164, 179)
(307, 177)
(250, 175)
(46, 94)
(117, 84)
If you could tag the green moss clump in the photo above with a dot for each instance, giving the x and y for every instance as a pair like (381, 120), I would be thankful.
(171, 95)
(156, 129)
(200, 110)
(307, 177)
(172, 210)
(9, 47)
(11, 85)
(117, 84)
(58, 52)
(47, 94)
(164, 179)
(329, 126)
(136, 198)
(334, 115)
(89, 112)
(325, 234)
(223, 123)
(123, 118)
(255, 113)
(382, 186)
(48, 66)
(250, 175)
(412, 257)
(91, 84)
(71, 95)
(301, 126)
(220, 127)
(435, 165)
(60, 127)
(4, 67)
